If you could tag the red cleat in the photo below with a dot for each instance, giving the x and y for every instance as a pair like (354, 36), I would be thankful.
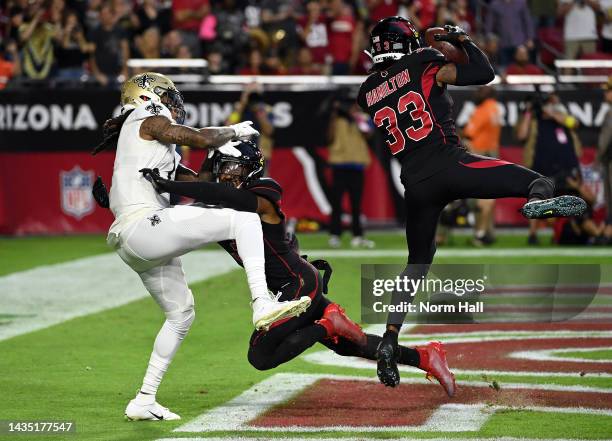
(433, 361)
(337, 324)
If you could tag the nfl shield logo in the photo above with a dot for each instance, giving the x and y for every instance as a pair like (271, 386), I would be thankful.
(75, 189)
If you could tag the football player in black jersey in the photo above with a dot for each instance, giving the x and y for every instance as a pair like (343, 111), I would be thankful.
(241, 187)
(406, 97)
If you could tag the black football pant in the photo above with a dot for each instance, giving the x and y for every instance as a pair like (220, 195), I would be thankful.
(287, 339)
(346, 180)
(472, 176)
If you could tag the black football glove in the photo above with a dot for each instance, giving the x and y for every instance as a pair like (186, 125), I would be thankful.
(100, 193)
(452, 35)
(152, 175)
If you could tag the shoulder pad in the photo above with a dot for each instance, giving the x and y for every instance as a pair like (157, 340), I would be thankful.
(429, 54)
(150, 109)
(267, 188)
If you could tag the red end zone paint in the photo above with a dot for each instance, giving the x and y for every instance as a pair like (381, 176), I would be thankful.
(366, 403)
(495, 355)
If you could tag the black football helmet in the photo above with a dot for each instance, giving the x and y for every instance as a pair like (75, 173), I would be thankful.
(239, 170)
(391, 39)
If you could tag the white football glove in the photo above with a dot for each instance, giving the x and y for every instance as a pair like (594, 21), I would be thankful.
(229, 148)
(244, 130)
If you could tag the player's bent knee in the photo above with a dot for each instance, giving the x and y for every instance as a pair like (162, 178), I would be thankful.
(258, 360)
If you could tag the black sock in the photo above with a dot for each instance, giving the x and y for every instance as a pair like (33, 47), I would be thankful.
(409, 356)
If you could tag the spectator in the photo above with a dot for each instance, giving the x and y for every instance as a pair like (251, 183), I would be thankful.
(312, 29)
(151, 14)
(483, 131)
(552, 147)
(348, 156)
(606, 29)
(187, 17)
(379, 9)
(109, 60)
(170, 44)
(56, 12)
(579, 27)
(92, 16)
(36, 37)
(230, 35)
(521, 65)
(148, 44)
(490, 46)
(604, 156)
(345, 37)
(511, 21)
(582, 230)
(216, 63)
(252, 107)
(305, 65)
(255, 64)
(277, 17)
(9, 63)
(72, 48)
(125, 19)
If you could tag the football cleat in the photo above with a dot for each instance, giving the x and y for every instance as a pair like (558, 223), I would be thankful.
(337, 324)
(267, 310)
(433, 361)
(149, 412)
(360, 242)
(386, 366)
(561, 206)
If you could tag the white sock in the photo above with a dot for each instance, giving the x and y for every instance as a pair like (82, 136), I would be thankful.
(166, 344)
(249, 242)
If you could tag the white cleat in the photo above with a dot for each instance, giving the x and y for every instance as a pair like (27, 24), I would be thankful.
(149, 412)
(267, 310)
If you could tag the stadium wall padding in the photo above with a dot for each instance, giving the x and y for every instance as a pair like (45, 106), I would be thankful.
(47, 171)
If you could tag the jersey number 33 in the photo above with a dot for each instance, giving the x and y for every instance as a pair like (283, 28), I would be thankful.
(413, 103)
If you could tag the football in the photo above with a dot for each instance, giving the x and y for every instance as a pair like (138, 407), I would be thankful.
(453, 53)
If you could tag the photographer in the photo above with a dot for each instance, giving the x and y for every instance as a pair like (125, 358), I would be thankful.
(348, 157)
(580, 230)
(552, 147)
(252, 107)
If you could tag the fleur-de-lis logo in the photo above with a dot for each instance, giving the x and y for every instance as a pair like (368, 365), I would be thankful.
(153, 108)
(144, 81)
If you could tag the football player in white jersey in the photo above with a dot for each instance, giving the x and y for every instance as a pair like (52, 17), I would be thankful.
(150, 235)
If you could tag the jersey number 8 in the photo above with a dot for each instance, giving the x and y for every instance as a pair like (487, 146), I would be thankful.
(418, 113)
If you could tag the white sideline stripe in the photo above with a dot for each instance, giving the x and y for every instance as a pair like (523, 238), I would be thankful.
(48, 295)
(312, 181)
(329, 358)
(493, 252)
(277, 389)
(552, 355)
(361, 438)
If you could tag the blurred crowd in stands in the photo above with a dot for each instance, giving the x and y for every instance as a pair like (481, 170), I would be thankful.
(93, 39)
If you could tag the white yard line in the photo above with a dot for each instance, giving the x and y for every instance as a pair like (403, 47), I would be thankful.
(48, 295)
(556, 355)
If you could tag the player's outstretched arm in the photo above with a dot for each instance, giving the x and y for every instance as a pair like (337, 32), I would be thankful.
(164, 130)
(477, 71)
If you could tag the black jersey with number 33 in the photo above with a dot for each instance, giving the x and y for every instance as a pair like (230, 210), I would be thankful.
(414, 113)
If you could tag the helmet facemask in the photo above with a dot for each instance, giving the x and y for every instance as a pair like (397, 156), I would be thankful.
(234, 171)
(173, 100)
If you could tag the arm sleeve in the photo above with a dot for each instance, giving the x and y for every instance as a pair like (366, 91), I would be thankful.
(477, 71)
(214, 194)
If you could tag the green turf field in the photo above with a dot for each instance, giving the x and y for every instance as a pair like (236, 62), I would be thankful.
(87, 368)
